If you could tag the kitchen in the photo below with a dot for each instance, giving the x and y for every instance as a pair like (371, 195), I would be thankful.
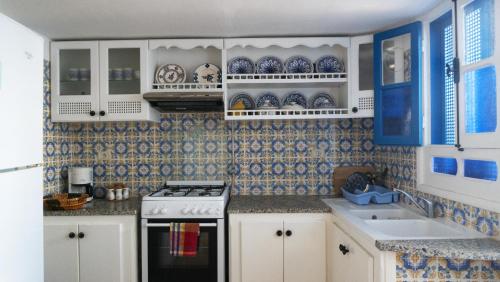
(326, 141)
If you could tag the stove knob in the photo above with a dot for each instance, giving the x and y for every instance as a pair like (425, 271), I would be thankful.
(194, 210)
(211, 211)
(163, 211)
(203, 211)
(207, 211)
(155, 211)
(185, 210)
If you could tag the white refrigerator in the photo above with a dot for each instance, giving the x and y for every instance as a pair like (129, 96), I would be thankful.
(21, 145)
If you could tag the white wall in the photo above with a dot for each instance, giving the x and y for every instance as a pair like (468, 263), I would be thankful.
(21, 96)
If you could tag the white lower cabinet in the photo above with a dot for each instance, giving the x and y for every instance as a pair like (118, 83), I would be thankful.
(348, 261)
(277, 247)
(90, 248)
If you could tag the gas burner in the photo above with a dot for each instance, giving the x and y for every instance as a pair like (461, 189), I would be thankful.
(189, 190)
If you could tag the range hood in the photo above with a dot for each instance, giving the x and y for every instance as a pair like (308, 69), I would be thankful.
(185, 102)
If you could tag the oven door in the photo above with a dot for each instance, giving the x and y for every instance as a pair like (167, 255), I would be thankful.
(159, 266)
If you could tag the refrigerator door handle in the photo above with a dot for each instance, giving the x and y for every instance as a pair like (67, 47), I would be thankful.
(11, 169)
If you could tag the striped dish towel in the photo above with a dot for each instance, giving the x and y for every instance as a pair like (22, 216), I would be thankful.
(184, 239)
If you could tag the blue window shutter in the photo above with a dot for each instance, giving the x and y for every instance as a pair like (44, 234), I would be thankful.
(443, 96)
(398, 106)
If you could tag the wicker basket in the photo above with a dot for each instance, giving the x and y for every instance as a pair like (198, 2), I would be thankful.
(64, 202)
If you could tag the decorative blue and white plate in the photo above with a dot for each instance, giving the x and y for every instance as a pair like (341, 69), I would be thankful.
(269, 64)
(329, 64)
(322, 100)
(298, 64)
(267, 100)
(170, 73)
(295, 97)
(207, 73)
(245, 99)
(240, 65)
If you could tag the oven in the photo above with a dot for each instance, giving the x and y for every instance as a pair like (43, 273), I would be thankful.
(159, 266)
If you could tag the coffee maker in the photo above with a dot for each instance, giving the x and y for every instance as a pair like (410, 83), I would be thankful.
(80, 181)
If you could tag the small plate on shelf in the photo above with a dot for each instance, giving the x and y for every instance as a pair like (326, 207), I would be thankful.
(268, 101)
(329, 64)
(269, 65)
(298, 64)
(170, 73)
(207, 73)
(242, 101)
(322, 100)
(240, 65)
(296, 98)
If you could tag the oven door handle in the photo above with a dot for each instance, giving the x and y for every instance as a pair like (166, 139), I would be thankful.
(168, 224)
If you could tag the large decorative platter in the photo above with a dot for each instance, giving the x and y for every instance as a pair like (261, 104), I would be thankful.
(170, 73)
(269, 65)
(268, 100)
(329, 64)
(322, 100)
(244, 99)
(240, 65)
(207, 73)
(295, 97)
(298, 64)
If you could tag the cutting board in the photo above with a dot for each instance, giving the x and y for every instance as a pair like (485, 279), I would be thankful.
(341, 173)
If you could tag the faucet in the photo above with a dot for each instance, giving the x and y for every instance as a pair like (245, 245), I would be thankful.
(427, 208)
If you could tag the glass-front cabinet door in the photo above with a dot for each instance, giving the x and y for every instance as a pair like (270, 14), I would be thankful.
(123, 79)
(398, 86)
(75, 81)
(361, 78)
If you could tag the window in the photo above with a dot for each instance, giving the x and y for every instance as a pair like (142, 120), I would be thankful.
(479, 30)
(480, 100)
(442, 82)
(465, 113)
(444, 165)
(486, 170)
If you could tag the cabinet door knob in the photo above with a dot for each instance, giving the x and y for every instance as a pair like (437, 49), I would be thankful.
(71, 235)
(92, 113)
(279, 233)
(343, 249)
(288, 233)
(81, 235)
(102, 113)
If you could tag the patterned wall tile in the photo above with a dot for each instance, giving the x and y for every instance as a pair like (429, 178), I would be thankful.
(411, 267)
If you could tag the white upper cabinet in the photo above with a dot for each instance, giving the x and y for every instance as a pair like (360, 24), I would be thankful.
(100, 81)
(75, 81)
(361, 76)
(330, 77)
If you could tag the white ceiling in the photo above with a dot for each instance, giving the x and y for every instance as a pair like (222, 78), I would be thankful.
(78, 19)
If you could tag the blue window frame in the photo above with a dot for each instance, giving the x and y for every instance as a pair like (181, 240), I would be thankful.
(398, 90)
(443, 94)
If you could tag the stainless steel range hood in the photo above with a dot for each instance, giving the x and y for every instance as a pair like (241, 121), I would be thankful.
(185, 102)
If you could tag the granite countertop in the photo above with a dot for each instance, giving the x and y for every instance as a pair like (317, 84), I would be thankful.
(277, 204)
(102, 207)
(476, 249)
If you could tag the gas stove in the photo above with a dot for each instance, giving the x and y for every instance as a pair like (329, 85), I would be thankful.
(202, 202)
(186, 199)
